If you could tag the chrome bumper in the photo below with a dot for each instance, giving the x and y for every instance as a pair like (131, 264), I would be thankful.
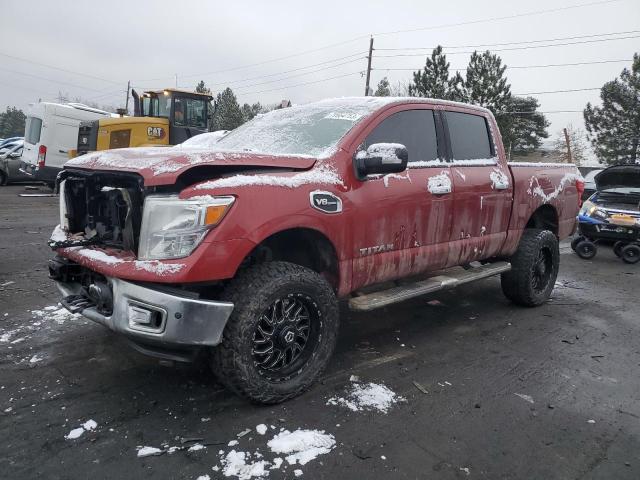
(157, 318)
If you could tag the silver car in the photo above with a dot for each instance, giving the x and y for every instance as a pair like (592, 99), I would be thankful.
(10, 165)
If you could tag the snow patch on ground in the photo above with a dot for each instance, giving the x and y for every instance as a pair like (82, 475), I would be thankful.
(261, 429)
(367, 396)
(88, 426)
(239, 464)
(302, 446)
(526, 398)
(148, 451)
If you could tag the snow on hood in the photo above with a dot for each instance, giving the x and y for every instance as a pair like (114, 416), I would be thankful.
(161, 165)
(618, 176)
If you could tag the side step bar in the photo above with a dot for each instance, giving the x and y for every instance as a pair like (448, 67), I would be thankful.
(451, 279)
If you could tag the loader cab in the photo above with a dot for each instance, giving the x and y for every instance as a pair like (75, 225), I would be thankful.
(186, 112)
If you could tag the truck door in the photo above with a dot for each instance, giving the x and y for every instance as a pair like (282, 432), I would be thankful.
(402, 221)
(483, 189)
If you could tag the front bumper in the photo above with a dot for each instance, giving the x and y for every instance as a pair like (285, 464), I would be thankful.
(159, 323)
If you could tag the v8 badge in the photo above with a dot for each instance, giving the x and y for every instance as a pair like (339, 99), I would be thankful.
(326, 202)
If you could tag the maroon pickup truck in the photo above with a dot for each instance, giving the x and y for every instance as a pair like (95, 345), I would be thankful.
(242, 250)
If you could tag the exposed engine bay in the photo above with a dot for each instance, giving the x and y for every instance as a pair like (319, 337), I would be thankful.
(100, 209)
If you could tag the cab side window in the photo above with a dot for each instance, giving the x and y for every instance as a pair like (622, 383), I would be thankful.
(415, 129)
(469, 136)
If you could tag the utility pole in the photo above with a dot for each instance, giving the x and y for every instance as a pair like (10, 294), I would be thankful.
(126, 104)
(366, 88)
(566, 139)
(176, 80)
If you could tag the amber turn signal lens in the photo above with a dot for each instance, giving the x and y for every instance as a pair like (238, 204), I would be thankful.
(215, 214)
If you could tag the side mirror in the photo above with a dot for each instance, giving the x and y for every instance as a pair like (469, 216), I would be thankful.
(381, 158)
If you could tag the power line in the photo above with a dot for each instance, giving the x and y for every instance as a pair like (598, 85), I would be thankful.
(494, 19)
(48, 79)
(516, 48)
(560, 91)
(510, 67)
(233, 82)
(576, 37)
(360, 37)
(306, 83)
(57, 68)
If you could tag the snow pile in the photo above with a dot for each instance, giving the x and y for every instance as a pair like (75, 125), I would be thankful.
(261, 429)
(208, 139)
(239, 464)
(323, 175)
(55, 313)
(302, 446)
(148, 451)
(87, 426)
(368, 396)
(439, 183)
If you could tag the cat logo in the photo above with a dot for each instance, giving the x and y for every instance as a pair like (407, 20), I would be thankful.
(155, 132)
(326, 202)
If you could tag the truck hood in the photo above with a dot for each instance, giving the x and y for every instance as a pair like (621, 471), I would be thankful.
(618, 176)
(163, 165)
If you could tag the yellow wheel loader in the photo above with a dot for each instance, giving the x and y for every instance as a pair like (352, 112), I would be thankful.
(162, 117)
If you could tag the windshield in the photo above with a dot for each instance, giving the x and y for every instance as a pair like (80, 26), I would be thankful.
(311, 130)
(160, 106)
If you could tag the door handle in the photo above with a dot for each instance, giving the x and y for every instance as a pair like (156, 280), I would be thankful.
(502, 186)
(440, 189)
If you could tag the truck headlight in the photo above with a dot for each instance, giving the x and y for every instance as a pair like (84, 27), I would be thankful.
(173, 228)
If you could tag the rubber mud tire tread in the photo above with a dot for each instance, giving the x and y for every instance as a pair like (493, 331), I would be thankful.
(251, 292)
(624, 254)
(516, 284)
(592, 252)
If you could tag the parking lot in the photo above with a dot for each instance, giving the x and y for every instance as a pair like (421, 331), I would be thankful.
(484, 389)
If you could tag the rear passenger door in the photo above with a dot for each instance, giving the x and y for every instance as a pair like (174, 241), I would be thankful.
(483, 189)
(406, 218)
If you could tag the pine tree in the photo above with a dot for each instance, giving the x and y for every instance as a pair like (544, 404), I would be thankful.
(614, 127)
(485, 83)
(250, 111)
(12, 123)
(202, 88)
(228, 114)
(522, 127)
(383, 89)
(433, 81)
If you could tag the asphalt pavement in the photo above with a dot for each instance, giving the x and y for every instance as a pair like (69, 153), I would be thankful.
(484, 389)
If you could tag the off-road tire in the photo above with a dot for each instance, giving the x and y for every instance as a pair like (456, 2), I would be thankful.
(518, 284)
(618, 246)
(586, 249)
(576, 241)
(252, 292)
(630, 254)
(3, 179)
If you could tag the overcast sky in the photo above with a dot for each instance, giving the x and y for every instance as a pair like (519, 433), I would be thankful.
(96, 47)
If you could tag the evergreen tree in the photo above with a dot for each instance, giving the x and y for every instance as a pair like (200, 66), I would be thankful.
(485, 83)
(614, 127)
(433, 81)
(522, 127)
(202, 88)
(228, 114)
(250, 111)
(12, 123)
(383, 89)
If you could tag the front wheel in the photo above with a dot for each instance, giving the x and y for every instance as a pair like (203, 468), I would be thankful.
(586, 249)
(630, 254)
(281, 334)
(534, 269)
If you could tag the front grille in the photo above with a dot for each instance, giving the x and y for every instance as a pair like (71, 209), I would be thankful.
(104, 208)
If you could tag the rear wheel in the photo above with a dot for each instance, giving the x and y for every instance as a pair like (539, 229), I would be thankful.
(576, 241)
(630, 254)
(280, 335)
(586, 249)
(618, 246)
(534, 269)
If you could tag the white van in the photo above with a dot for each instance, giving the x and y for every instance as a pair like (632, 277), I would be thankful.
(51, 130)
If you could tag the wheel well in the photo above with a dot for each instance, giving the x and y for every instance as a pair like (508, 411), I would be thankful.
(545, 218)
(302, 246)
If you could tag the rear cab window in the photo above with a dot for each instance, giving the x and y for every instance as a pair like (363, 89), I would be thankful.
(415, 129)
(32, 130)
(469, 136)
